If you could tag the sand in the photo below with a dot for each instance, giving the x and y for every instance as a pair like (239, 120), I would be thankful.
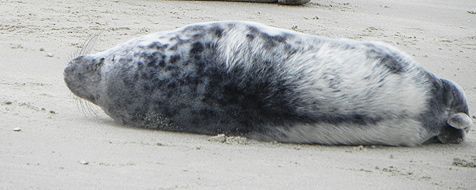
(49, 141)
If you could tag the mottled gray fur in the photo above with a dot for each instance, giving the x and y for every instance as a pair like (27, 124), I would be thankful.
(243, 78)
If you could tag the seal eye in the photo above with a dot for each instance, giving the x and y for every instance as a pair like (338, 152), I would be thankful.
(101, 62)
(95, 66)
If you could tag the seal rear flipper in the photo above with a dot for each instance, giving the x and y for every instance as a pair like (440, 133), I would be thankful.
(460, 121)
(454, 133)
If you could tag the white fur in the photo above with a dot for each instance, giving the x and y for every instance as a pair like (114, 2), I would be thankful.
(395, 132)
(401, 97)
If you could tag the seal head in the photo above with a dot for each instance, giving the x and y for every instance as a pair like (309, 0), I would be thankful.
(83, 75)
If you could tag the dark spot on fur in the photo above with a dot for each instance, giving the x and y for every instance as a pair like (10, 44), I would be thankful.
(270, 41)
(395, 63)
(152, 63)
(274, 38)
(208, 45)
(136, 76)
(194, 28)
(253, 30)
(157, 45)
(174, 58)
(250, 36)
(173, 48)
(162, 63)
(231, 25)
(217, 31)
(171, 85)
(171, 68)
(197, 48)
(197, 36)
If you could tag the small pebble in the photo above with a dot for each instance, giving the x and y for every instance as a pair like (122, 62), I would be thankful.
(52, 112)
(49, 55)
(219, 138)
(360, 148)
(42, 49)
(236, 140)
(17, 129)
(464, 163)
(83, 162)
(10, 103)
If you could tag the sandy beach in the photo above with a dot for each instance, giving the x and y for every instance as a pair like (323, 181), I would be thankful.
(49, 140)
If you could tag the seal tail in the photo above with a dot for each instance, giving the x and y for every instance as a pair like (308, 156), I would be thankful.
(457, 126)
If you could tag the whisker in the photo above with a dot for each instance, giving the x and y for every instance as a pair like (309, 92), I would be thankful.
(90, 107)
(79, 102)
(76, 102)
(81, 105)
(90, 43)
(85, 107)
(87, 46)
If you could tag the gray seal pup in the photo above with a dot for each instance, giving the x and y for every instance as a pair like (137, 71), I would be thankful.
(266, 83)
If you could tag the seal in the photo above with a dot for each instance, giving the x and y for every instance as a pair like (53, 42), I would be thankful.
(266, 83)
